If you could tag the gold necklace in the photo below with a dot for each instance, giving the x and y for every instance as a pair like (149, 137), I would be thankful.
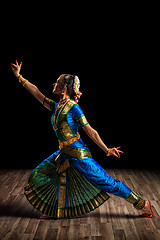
(55, 127)
(63, 100)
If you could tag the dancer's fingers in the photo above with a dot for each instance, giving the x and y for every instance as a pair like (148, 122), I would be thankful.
(20, 65)
(13, 65)
(118, 147)
(116, 154)
(120, 151)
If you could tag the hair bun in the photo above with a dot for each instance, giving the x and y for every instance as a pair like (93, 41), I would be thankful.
(76, 87)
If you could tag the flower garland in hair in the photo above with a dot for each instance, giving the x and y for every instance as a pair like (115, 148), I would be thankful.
(76, 87)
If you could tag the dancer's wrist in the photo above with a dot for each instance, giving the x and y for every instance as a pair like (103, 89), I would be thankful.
(22, 80)
(108, 153)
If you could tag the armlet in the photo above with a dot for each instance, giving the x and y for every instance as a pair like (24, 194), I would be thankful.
(82, 120)
(48, 103)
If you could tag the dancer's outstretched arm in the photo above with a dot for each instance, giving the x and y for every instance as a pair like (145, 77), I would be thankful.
(29, 86)
(94, 135)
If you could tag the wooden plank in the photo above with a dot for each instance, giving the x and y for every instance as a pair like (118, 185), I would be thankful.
(106, 230)
(84, 230)
(115, 219)
(72, 232)
(32, 226)
(41, 229)
(63, 233)
(18, 231)
(52, 233)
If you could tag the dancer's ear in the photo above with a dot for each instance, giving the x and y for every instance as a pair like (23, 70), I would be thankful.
(64, 90)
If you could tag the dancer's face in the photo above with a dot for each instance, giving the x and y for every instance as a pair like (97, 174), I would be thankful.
(58, 85)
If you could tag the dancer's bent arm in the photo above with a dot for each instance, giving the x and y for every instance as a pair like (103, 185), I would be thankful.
(94, 135)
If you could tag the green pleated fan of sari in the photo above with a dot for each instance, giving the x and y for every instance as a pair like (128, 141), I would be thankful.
(66, 194)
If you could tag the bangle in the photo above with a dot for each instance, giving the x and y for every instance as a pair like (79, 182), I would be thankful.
(20, 80)
(109, 152)
(24, 83)
(19, 76)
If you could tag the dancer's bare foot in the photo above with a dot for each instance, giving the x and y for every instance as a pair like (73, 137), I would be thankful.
(147, 210)
(43, 217)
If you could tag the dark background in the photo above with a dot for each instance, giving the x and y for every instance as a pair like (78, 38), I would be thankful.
(114, 55)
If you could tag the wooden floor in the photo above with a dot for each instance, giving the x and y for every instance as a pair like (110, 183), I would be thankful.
(115, 219)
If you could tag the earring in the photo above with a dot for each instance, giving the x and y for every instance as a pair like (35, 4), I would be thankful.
(62, 92)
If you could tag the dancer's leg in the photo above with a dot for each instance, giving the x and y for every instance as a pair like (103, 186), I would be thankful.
(140, 204)
(98, 176)
(136, 200)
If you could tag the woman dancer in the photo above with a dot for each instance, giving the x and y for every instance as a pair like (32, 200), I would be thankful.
(70, 183)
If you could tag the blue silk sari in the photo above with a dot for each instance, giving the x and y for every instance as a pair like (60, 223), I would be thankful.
(70, 183)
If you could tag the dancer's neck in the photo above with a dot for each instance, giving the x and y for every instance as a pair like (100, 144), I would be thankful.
(64, 97)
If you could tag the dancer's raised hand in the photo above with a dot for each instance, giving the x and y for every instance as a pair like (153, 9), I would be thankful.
(115, 152)
(16, 68)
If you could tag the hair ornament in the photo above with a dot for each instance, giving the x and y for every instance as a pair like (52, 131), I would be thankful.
(76, 87)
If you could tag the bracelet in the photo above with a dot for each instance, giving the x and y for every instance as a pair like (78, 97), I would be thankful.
(109, 152)
(24, 83)
(20, 81)
(19, 76)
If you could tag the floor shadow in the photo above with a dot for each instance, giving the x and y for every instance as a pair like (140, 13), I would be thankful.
(7, 210)
(30, 212)
(116, 215)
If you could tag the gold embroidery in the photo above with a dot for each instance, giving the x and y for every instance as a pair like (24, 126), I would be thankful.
(132, 198)
(65, 110)
(82, 120)
(60, 213)
(140, 204)
(48, 103)
(62, 192)
(95, 203)
(77, 152)
(57, 160)
(62, 123)
(63, 166)
(66, 130)
(68, 142)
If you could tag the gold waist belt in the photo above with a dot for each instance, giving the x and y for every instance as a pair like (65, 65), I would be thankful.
(68, 142)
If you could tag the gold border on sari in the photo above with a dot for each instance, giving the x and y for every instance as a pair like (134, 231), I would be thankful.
(66, 131)
(64, 166)
(68, 142)
(63, 126)
(65, 110)
(62, 192)
(77, 152)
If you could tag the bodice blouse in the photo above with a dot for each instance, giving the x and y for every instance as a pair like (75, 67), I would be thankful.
(67, 119)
